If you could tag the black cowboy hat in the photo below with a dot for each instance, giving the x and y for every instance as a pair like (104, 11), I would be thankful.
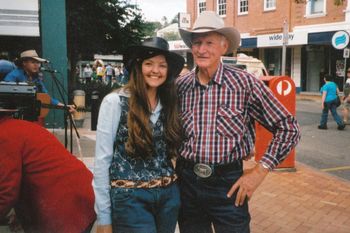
(152, 47)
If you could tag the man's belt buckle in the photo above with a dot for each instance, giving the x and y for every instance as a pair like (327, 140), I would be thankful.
(202, 170)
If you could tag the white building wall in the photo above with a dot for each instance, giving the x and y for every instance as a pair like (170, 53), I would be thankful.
(19, 18)
(296, 66)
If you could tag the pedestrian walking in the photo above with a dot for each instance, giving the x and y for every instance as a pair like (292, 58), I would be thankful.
(219, 106)
(329, 93)
(346, 98)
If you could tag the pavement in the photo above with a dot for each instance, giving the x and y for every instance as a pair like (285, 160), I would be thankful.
(300, 200)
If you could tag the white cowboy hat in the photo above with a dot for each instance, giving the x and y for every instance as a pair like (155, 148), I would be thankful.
(32, 54)
(209, 21)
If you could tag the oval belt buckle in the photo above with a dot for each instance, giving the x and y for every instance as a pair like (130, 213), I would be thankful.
(202, 170)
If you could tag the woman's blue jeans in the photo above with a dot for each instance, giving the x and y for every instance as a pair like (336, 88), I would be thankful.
(153, 210)
(330, 106)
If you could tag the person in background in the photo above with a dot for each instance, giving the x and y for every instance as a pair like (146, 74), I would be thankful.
(346, 98)
(184, 70)
(330, 93)
(28, 71)
(219, 107)
(49, 188)
(6, 67)
(115, 84)
(138, 134)
(109, 74)
(100, 71)
(87, 73)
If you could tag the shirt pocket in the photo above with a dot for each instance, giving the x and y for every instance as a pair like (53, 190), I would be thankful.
(187, 122)
(230, 123)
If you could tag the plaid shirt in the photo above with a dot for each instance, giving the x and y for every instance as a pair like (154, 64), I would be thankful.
(219, 118)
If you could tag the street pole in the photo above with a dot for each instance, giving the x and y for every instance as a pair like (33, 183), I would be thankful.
(284, 47)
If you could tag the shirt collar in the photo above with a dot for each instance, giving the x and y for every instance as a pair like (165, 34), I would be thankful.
(218, 76)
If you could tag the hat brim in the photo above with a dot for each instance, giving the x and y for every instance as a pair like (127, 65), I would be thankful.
(232, 35)
(174, 60)
(34, 58)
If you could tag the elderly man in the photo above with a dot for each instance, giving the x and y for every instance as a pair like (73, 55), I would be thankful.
(219, 105)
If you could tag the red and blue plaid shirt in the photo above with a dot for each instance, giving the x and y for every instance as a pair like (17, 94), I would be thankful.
(219, 118)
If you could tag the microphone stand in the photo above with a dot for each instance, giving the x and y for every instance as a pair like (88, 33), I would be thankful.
(67, 114)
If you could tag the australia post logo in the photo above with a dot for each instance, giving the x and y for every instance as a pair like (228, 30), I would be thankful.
(340, 40)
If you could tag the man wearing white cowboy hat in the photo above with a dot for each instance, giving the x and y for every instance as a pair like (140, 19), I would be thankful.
(28, 71)
(219, 106)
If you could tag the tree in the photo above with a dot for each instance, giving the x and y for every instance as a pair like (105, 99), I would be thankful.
(101, 26)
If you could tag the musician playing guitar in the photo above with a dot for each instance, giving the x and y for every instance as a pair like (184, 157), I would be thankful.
(28, 71)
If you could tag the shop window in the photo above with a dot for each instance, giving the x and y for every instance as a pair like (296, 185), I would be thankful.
(242, 7)
(221, 7)
(202, 6)
(269, 5)
(315, 8)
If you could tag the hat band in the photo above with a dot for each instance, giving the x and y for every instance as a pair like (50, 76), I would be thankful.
(209, 28)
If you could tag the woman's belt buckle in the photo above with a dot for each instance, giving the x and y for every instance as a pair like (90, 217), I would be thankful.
(202, 170)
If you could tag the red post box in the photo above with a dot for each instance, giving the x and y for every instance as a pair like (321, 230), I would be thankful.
(283, 88)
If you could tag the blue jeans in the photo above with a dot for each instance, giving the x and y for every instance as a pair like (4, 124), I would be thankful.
(204, 202)
(330, 106)
(153, 210)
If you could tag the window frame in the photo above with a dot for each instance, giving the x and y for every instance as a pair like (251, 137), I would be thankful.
(308, 8)
(199, 7)
(240, 7)
(223, 5)
(271, 8)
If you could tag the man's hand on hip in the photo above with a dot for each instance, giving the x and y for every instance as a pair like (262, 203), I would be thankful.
(248, 183)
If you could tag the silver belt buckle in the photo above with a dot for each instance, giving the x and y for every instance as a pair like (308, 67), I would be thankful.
(202, 170)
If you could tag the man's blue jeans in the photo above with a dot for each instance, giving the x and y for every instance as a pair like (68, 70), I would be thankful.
(153, 210)
(204, 202)
(330, 106)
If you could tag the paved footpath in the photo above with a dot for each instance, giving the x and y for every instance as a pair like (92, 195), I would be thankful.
(304, 201)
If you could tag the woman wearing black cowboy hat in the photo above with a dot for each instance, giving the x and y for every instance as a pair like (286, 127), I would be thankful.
(138, 134)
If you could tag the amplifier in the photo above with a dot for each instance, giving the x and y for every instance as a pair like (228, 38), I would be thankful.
(17, 88)
(21, 96)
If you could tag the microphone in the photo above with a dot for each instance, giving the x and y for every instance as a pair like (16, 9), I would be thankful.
(48, 70)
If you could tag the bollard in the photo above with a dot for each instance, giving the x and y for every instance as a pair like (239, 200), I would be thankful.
(79, 100)
(95, 107)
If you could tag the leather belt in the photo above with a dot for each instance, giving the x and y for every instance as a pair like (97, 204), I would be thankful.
(206, 170)
(159, 182)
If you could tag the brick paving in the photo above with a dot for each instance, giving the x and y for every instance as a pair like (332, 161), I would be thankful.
(303, 201)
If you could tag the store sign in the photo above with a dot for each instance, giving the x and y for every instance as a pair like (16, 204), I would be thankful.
(184, 20)
(177, 45)
(273, 40)
(19, 18)
(340, 40)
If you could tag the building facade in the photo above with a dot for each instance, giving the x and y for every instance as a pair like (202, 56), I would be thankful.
(309, 26)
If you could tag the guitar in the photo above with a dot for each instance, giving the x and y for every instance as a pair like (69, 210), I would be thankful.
(44, 101)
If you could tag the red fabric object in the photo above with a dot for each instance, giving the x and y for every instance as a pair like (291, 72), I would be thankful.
(50, 189)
